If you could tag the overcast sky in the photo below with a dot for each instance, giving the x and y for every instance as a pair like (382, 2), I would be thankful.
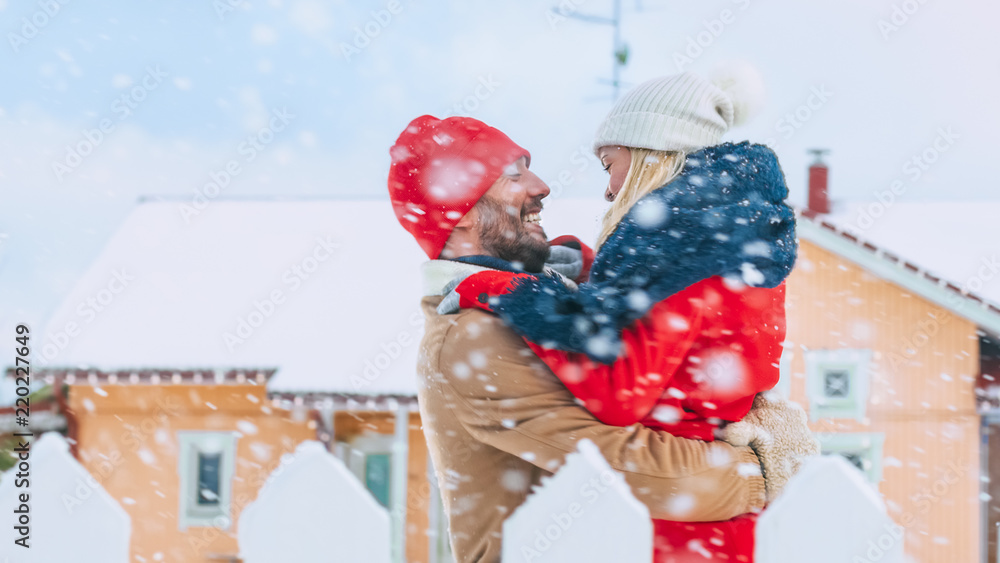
(179, 87)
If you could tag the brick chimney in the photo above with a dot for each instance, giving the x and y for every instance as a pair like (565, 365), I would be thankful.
(819, 197)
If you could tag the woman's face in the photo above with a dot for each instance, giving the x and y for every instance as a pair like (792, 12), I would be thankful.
(616, 160)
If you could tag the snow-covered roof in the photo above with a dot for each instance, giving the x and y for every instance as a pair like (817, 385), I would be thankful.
(330, 285)
(953, 245)
(351, 325)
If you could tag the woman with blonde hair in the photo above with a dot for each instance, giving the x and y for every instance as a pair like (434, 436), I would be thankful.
(681, 323)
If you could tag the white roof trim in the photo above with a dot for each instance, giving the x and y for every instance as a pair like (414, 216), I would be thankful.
(972, 309)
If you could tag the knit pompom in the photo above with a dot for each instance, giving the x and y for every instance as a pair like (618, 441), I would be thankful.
(744, 86)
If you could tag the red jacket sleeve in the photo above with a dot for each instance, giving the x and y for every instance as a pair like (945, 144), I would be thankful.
(626, 391)
(476, 290)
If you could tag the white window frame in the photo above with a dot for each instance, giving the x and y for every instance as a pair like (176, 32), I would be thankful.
(869, 444)
(440, 544)
(857, 364)
(355, 457)
(191, 443)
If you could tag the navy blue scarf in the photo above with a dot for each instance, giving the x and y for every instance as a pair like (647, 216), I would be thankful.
(724, 215)
(491, 262)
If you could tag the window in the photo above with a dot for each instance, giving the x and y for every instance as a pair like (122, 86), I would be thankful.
(380, 462)
(837, 383)
(209, 479)
(370, 459)
(205, 465)
(862, 449)
(377, 477)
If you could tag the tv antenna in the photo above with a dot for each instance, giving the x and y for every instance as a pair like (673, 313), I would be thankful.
(620, 53)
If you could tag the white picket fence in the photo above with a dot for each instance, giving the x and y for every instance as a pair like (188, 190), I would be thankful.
(585, 512)
(827, 514)
(313, 509)
(71, 517)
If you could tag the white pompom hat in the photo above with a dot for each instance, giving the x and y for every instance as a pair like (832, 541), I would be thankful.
(682, 112)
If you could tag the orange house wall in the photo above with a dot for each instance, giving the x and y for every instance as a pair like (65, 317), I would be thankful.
(921, 395)
(350, 425)
(126, 437)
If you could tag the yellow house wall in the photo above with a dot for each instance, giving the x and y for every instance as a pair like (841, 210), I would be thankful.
(921, 395)
(126, 437)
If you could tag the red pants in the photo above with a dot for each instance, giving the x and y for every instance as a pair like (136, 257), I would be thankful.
(703, 542)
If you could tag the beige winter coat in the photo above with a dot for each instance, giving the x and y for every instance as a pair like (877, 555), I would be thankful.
(497, 420)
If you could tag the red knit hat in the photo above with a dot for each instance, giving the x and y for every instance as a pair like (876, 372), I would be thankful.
(440, 169)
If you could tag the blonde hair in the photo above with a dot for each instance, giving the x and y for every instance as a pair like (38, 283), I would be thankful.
(649, 169)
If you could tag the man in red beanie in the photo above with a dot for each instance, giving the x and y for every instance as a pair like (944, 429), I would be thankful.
(496, 419)
(442, 187)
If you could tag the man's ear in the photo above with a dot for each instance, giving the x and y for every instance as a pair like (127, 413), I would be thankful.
(463, 240)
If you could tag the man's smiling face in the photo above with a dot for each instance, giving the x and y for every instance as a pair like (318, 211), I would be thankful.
(509, 224)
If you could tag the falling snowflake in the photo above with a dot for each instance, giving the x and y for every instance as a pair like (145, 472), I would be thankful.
(751, 275)
(514, 481)
(461, 370)
(650, 213)
(666, 414)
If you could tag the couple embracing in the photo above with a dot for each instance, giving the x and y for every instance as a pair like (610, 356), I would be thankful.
(659, 348)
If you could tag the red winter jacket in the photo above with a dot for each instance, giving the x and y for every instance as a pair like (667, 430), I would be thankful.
(696, 360)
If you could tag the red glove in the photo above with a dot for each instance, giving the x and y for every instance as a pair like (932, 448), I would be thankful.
(477, 289)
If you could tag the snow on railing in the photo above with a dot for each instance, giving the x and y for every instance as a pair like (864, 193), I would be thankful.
(586, 513)
(828, 513)
(314, 509)
(68, 513)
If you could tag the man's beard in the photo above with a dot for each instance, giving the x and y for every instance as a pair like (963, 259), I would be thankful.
(503, 235)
